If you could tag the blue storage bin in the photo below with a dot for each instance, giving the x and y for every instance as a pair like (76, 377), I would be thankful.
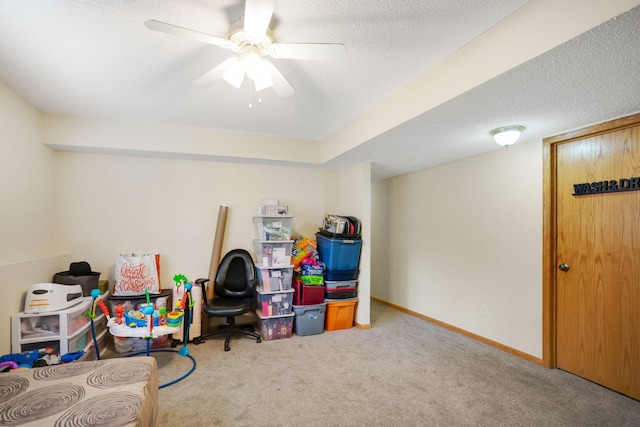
(339, 254)
(340, 275)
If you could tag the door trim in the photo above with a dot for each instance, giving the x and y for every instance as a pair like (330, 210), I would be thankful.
(549, 226)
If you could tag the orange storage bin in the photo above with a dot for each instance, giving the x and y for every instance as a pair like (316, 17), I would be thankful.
(339, 314)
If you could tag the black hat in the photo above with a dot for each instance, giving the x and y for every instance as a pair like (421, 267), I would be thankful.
(80, 268)
(79, 274)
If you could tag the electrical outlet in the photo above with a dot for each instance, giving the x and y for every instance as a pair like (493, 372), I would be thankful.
(483, 309)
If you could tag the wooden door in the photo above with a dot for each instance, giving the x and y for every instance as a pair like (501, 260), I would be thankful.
(598, 238)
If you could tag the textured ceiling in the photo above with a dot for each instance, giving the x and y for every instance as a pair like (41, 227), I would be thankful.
(95, 58)
(590, 79)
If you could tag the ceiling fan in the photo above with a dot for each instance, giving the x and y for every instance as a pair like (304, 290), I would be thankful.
(252, 41)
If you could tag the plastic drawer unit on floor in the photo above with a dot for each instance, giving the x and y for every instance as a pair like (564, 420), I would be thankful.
(66, 331)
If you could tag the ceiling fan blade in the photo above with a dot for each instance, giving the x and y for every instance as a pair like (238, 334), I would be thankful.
(313, 51)
(215, 74)
(257, 15)
(174, 30)
(280, 84)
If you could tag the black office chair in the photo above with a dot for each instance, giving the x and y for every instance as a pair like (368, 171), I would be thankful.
(234, 286)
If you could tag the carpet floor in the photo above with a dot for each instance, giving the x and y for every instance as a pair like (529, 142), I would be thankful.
(403, 371)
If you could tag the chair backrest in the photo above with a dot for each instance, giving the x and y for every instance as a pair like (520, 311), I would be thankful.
(236, 276)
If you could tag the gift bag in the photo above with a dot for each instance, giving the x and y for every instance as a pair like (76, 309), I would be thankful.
(136, 273)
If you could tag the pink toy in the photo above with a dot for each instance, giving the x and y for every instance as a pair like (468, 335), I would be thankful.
(13, 365)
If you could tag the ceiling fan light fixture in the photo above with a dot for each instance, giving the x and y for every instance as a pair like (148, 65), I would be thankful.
(262, 81)
(252, 64)
(507, 135)
(257, 71)
(235, 74)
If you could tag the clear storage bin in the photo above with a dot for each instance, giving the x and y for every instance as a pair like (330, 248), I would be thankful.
(273, 228)
(275, 328)
(272, 279)
(273, 254)
(275, 303)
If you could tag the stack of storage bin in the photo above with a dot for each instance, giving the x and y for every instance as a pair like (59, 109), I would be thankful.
(309, 305)
(308, 282)
(274, 295)
(341, 256)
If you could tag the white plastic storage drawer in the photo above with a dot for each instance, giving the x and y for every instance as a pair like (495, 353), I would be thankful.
(30, 331)
(80, 342)
(77, 318)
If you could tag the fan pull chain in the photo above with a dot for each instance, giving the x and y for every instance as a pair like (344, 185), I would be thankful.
(251, 94)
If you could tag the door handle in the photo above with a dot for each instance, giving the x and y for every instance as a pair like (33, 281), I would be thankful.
(564, 267)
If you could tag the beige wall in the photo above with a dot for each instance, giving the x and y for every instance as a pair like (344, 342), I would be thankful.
(354, 198)
(381, 230)
(108, 204)
(26, 221)
(26, 174)
(112, 204)
(466, 234)
(69, 133)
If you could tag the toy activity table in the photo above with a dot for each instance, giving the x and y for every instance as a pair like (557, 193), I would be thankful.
(125, 331)
(148, 331)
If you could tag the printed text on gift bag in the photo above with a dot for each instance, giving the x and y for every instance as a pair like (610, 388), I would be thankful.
(136, 278)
